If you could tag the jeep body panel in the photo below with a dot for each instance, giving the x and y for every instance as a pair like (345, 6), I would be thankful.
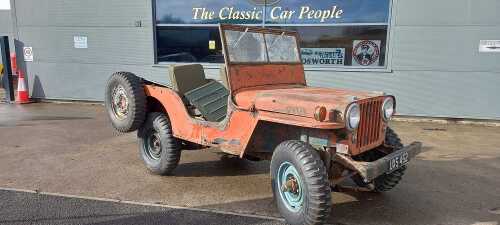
(231, 135)
(299, 100)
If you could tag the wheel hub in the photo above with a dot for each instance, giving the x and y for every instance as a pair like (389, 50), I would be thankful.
(290, 185)
(153, 147)
(120, 102)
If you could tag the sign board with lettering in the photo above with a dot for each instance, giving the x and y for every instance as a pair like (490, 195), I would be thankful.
(489, 46)
(28, 54)
(366, 53)
(323, 56)
(80, 42)
(272, 12)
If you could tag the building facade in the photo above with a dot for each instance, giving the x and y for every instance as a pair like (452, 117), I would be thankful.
(425, 52)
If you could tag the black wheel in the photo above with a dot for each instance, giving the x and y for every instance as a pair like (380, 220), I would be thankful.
(159, 149)
(300, 184)
(385, 182)
(125, 101)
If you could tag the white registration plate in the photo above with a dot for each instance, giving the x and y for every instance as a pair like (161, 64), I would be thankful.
(398, 161)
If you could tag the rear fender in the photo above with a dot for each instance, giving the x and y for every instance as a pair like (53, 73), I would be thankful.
(231, 135)
(183, 126)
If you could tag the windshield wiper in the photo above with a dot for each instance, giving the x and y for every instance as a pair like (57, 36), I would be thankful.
(276, 40)
(239, 39)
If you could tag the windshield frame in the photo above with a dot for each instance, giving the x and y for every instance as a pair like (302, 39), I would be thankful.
(227, 27)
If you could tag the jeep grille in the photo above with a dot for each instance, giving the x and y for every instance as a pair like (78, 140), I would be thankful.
(371, 123)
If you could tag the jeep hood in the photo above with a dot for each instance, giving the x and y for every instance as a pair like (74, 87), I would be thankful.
(299, 100)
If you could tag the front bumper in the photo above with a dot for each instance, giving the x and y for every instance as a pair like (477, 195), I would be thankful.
(371, 170)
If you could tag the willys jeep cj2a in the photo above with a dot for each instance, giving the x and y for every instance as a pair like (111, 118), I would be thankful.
(264, 110)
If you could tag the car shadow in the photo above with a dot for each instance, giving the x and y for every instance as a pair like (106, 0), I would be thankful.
(226, 166)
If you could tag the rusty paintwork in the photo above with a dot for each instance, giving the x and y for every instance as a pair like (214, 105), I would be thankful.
(270, 103)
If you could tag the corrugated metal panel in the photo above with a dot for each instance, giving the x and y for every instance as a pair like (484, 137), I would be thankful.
(446, 12)
(5, 22)
(87, 13)
(443, 48)
(79, 81)
(437, 70)
(426, 93)
(106, 45)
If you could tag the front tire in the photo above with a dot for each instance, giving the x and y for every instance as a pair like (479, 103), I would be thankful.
(300, 184)
(159, 149)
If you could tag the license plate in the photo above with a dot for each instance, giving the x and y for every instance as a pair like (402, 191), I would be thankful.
(398, 161)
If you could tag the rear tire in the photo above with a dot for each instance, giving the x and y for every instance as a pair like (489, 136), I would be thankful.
(386, 182)
(125, 101)
(307, 199)
(159, 149)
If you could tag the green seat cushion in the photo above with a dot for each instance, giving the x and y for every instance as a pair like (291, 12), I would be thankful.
(210, 99)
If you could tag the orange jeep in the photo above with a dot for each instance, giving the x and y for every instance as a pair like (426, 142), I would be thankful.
(264, 110)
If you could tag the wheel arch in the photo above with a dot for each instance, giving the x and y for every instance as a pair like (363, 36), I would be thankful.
(154, 105)
(168, 101)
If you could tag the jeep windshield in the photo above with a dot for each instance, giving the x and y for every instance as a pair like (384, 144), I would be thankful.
(255, 45)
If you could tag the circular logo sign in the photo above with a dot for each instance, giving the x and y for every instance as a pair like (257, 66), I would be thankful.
(366, 53)
(264, 2)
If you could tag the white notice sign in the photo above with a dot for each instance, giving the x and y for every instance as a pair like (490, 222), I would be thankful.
(489, 46)
(28, 54)
(4, 4)
(323, 56)
(80, 42)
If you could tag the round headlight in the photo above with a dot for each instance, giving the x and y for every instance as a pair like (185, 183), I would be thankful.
(388, 109)
(353, 117)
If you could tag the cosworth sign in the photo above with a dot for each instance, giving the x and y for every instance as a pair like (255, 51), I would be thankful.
(275, 13)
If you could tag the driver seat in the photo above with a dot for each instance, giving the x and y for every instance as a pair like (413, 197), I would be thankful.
(208, 97)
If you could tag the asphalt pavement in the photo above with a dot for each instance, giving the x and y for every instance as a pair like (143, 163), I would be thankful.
(72, 149)
(19, 208)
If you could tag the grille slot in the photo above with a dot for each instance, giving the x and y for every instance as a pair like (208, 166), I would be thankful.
(371, 121)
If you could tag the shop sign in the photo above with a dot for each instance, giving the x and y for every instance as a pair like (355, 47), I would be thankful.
(80, 42)
(489, 46)
(272, 11)
(323, 56)
(28, 54)
(366, 53)
(276, 13)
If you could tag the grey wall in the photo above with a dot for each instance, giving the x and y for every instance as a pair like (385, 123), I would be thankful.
(60, 71)
(435, 67)
(5, 22)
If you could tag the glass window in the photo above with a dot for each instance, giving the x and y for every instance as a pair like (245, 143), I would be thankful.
(328, 12)
(189, 44)
(246, 46)
(338, 33)
(342, 45)
(282, 48)
(208, 12)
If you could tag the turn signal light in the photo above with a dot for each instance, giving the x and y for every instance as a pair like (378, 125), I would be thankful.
(320, 113)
